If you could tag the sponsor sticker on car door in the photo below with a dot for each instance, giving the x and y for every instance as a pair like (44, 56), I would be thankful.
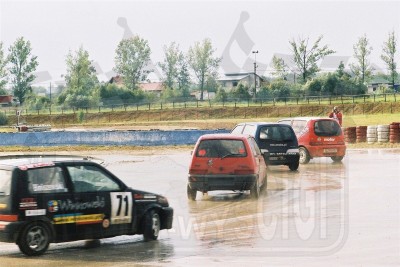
(121, 207)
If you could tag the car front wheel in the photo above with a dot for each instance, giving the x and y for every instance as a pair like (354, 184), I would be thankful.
(34, 239)
(151, 225)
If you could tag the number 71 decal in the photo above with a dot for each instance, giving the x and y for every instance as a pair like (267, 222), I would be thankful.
(121, 207)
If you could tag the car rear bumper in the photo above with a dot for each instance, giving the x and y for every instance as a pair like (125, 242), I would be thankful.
(327, 151)
(206, 183)
(281, 159)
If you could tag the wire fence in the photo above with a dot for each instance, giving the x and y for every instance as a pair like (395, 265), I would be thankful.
(197, 104)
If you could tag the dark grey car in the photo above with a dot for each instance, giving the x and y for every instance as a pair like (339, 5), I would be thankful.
(277, 142)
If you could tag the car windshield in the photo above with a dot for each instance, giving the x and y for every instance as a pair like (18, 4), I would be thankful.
(221, 148)
(276, 133)
(327, 128)
(5, 182)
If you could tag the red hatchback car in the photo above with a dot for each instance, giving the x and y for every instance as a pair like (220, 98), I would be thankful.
(318, 137)
(226, 162)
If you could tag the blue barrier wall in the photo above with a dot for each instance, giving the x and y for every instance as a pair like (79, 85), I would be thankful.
(133, 138)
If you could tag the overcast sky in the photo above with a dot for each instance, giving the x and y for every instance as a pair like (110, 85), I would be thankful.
(236, 28)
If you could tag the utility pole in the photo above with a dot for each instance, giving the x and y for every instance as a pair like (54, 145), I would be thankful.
(255, 73)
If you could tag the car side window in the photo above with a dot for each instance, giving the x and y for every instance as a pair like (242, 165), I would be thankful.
(46, 180)
(298, 126)
(91, 179)
(238, 129)
(249, 129)
(254, 147)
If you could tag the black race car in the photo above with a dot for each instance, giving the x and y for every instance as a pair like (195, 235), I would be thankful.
(46, 199)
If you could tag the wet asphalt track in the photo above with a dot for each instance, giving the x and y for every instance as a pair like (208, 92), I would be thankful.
(324, 214)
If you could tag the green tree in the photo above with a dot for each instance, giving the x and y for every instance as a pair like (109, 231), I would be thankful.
(221, 95)
(3, 70)
(241, 92)
(170, 65)
(362, 70)
(81, 81)
(341, 73)
(279, 66)
(132, 58)
(202, 62)
(388, 56)
(22, 64)
(306, 57)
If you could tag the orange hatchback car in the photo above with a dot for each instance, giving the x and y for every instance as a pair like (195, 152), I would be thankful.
(318, 137)
(226, 162)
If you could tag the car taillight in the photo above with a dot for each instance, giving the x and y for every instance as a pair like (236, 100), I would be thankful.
(9, 218)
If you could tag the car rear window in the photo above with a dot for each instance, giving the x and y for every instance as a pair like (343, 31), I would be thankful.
(5, 182)
(276, 133)
(327, 128)
(221, 148)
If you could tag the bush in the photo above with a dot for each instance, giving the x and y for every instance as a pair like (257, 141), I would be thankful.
(80, 116)
(3, 118)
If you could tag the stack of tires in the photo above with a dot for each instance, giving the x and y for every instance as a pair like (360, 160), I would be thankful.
(383, 133)
(394, 132)
(372, 135)
(350, 135)
(361, 134)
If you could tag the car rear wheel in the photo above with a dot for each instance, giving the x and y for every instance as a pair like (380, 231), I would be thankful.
(255, 190)
(191, 193)
(337, 158)
(293, 166)
(304, 155)
(34, 239)
(151, 225)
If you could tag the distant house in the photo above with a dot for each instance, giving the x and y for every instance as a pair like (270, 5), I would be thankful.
(379, 82)
(231, 80)
(8, 100)
(152, 87)
(206, 95)
(117, 80)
